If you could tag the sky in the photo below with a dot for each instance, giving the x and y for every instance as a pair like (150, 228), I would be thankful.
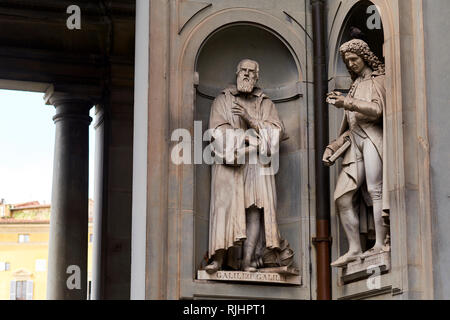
(27, 136)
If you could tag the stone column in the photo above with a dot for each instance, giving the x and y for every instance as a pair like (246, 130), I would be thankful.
(97, 254)
(140, 161)
(68, 247)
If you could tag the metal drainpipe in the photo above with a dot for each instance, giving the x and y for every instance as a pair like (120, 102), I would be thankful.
(322, 241)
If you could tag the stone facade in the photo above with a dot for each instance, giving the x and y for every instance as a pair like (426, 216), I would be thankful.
(194, 38)
(405, 53)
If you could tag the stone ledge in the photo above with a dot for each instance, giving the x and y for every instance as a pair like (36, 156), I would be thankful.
(288, 271)
(363, 269)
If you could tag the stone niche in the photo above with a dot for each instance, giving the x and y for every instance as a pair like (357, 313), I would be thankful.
(280, 80)
(352, 281)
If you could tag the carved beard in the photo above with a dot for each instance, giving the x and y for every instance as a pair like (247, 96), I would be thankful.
(245, 85)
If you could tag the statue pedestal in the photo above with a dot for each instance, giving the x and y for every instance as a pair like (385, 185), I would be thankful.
(289, 271)
(376, 264)
(262, 276)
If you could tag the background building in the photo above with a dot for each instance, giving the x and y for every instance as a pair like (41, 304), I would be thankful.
(24, 235)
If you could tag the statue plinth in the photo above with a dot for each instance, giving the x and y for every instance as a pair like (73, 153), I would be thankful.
(255, 277)
(288, 271)
(376, 264)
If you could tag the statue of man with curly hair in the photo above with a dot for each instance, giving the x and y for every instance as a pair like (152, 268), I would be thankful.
(361, 186)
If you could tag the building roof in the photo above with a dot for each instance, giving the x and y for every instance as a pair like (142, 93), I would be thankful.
(32, 206)
(25, 204)
(22, 221)
(28, 221)
(37, 219)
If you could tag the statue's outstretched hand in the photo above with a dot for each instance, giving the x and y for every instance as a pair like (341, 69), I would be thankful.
(336, 99)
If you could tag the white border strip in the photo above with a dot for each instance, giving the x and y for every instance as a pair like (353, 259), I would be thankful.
(139, 213)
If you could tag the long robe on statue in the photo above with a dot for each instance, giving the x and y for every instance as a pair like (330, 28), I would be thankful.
(237, 187)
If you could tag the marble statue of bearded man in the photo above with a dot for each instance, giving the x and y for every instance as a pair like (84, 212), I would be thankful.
(243, 200)
(363, 176)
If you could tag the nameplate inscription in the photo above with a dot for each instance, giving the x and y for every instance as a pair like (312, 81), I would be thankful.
(241, 276)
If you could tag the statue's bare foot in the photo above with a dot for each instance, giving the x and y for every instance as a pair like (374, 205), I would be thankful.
(375, 250)
(213, 267)
(346, 259)
(250, 267)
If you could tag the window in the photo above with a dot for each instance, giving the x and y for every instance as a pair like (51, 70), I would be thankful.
(21, 290)
(23, 238)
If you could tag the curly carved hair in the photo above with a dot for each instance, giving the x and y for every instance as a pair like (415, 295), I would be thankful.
(362, 49)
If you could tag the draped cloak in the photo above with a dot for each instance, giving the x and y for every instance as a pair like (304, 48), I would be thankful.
(233, 185)
(376, 132)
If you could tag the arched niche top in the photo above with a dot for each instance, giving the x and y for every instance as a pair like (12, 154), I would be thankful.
(222, 50)
(357, 17)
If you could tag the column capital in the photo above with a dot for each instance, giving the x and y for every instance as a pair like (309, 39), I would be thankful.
(73, 104)
(57, 94)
